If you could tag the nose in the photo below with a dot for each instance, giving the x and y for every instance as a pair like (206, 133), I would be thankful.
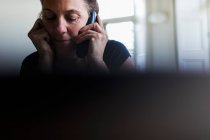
(61, 27)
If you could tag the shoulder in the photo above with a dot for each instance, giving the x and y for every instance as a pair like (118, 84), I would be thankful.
(115, 45)
(32, 58)
(29, 65)
(115, 54)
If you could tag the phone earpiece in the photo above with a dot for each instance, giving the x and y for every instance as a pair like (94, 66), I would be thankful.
(82, 49)
(92, 18)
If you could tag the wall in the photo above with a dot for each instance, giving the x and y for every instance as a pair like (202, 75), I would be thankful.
(161, 44)
(17, 18)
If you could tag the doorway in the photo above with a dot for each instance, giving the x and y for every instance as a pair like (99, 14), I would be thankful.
(192, 35)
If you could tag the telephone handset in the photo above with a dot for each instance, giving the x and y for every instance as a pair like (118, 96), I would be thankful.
(82, 48)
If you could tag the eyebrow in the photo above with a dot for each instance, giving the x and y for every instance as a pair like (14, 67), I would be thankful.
(68, 11)
(72, 11)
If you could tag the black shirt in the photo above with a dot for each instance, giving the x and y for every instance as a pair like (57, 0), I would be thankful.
(115, 54)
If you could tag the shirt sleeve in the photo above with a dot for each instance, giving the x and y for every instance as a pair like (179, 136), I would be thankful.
(29, 66)
(115, 55)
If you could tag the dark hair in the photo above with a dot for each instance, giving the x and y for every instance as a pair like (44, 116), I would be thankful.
(93, 5)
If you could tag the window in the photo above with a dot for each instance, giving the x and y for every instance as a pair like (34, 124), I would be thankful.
(116, 8)
(127, 38)
(119, 18)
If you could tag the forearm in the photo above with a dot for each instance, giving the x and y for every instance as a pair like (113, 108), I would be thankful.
(45, 64)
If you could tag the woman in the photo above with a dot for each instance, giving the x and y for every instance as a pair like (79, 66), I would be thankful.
(58, 32)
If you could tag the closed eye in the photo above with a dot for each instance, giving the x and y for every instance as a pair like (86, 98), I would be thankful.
(49, 16)
(72, 18)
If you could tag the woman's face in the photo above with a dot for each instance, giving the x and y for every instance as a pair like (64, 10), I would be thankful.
(64, 18)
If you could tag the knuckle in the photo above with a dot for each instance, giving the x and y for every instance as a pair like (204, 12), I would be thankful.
(95, 25)
(92, 39)
(104, 37)
(29, 34)
(99, 36)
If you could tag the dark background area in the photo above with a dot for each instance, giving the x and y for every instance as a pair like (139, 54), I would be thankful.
(139, 106)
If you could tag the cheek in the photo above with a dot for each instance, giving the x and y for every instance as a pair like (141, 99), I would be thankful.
(74, 30)
(77, 27)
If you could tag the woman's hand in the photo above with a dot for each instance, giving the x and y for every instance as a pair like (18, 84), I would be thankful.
(40, 39)
(98, 38)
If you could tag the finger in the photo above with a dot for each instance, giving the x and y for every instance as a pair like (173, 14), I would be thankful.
(98, 35)
(40, 35)
(98, 28)
(88, 36)
(84, 33)
(78, 38)
(43, 33)
(37, 25)
(95, 26)
(100, 21)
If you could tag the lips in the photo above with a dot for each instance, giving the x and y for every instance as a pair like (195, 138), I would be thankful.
(61, 38)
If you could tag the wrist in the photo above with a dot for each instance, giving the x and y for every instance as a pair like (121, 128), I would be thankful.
(45, 63)
(98, 65)
(47, 55)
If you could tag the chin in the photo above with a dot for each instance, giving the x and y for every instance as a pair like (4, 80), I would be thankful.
(62, 43)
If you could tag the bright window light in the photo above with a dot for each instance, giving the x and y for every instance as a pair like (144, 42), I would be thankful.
(115, 8)
(120, 18)
(122, 32)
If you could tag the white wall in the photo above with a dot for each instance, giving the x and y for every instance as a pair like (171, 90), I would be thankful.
(161, 44)
(17, 18)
